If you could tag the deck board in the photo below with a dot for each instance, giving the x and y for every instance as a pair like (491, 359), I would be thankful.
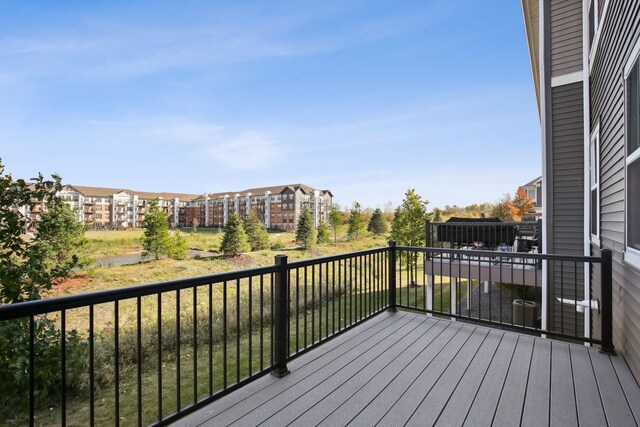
(402, 368)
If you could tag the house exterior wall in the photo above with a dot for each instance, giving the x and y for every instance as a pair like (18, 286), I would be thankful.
(566, 36)
(619, 31)
(562, 121)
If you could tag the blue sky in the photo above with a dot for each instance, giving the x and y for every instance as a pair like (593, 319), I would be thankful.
(366, 98)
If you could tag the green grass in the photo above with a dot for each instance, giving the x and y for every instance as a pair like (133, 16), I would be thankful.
(103, 278)
(353, 306)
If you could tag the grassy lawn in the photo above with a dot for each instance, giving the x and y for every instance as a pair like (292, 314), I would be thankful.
(237, 366)
(238, 329)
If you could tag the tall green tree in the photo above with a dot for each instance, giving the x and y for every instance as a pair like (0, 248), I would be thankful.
(407, 227)
(234, 241)
(155, 240)
(356, 221)
(256, 233)
(335, 219)
(306, 231)
(323, 233)
(62, 236)
(377, 223)
(26, 269)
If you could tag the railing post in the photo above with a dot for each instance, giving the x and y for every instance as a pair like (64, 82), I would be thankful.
(281, 318)
(427, 240)
(392, 276)
(606, 314)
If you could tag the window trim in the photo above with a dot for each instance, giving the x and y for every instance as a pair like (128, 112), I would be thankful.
(630, 255)
(599, 20)
(594, 149)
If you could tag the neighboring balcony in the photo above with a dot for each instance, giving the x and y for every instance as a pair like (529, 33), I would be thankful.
(377, 336)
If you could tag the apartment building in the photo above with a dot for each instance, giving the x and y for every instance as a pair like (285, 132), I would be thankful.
(116, 207)
(585, 58)
(277, 207)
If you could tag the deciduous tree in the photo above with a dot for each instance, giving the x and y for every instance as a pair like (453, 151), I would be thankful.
(26, 269)
(335, 219)
(521, 205)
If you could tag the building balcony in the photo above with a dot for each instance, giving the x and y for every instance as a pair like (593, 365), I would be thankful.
(370, 337)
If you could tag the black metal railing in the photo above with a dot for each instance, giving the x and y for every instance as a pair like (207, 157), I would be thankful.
(489, 234)
(505, 289)
(150, 354)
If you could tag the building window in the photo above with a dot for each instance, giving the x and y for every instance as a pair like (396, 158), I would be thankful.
(632, 123)
(594, 184)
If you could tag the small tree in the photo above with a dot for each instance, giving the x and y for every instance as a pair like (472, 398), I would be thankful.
(234, 241)
(408, 223)
(155, 240)
(62, 236)
(194, 225)
(377, 223)
(501, 209)
(256, 233)
(521, 205)
(178, 247)
(437, 215)
(323, 233)
(356, 221)
(335, 218)
(306, 231)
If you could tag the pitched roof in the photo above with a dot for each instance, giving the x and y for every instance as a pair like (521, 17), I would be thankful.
(532, 182)
(108, 192)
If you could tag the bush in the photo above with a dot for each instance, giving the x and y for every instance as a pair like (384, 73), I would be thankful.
(14, 359)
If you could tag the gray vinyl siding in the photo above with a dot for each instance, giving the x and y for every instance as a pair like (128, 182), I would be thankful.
(620, 29)
(566, 36)
(567, 136)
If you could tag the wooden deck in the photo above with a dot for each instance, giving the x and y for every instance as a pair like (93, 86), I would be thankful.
(408, 369)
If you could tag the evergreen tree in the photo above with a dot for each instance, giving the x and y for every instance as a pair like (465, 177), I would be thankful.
(256, 233)
(62, 235)
(323, 233)
(377, 223)
(356, 221)
(306, 231)
(234, 241)
(437, 215)
(155, 240)
(178, 247)
(335, 218)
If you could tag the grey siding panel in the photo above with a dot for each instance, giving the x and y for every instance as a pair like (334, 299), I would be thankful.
(620, 30)
(567, 135)
(566, 36)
